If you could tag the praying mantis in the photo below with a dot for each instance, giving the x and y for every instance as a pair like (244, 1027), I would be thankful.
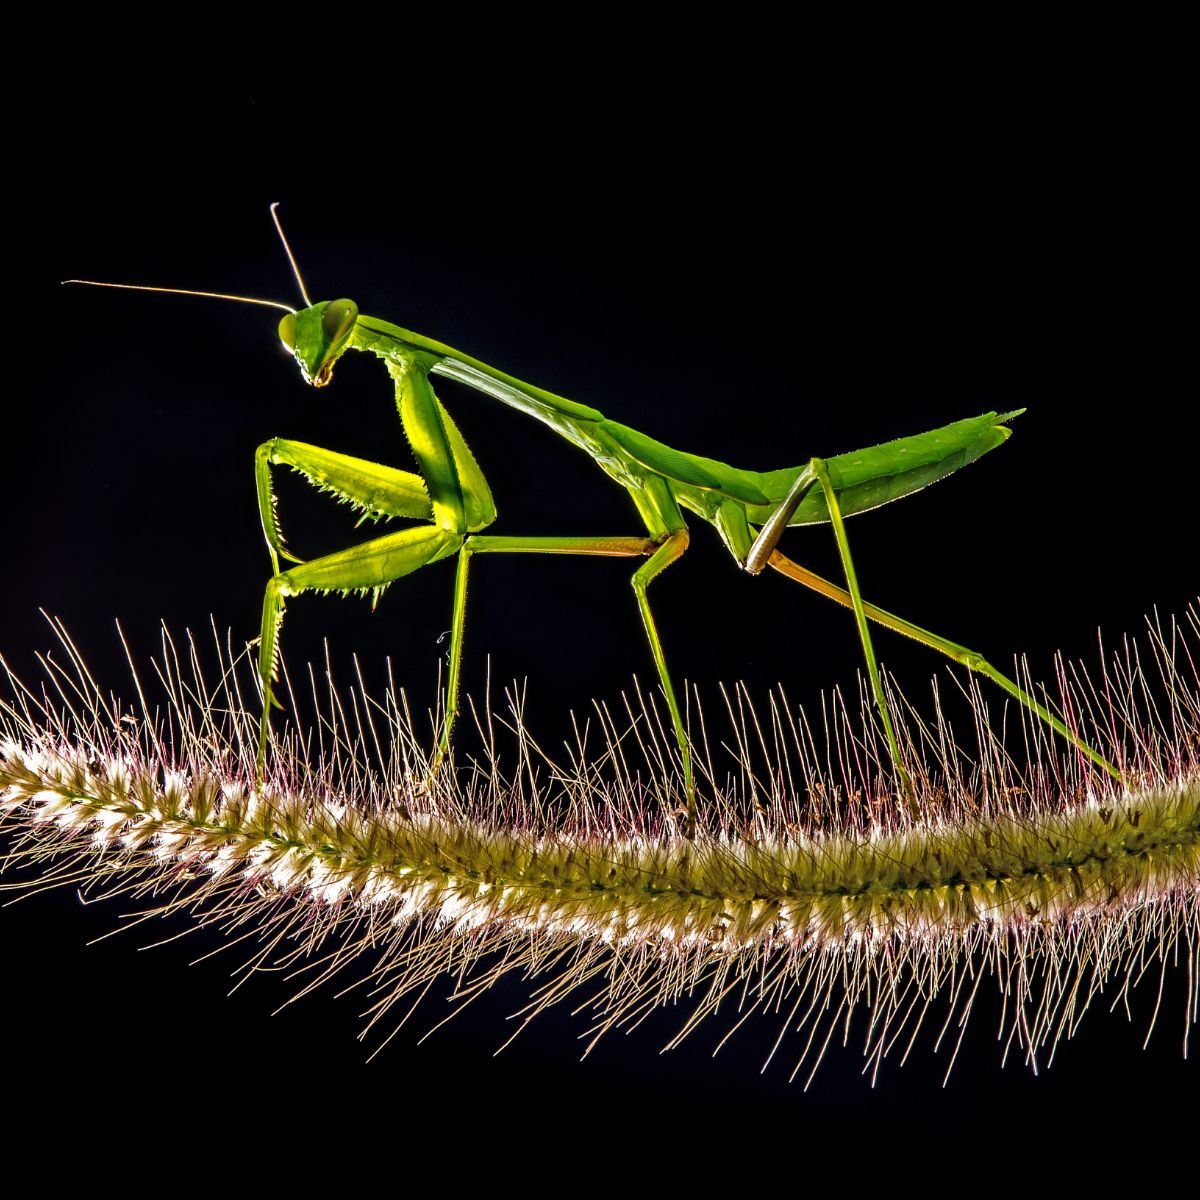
(451, 505)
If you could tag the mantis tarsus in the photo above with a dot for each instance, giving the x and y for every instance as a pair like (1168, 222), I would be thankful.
(451, 502)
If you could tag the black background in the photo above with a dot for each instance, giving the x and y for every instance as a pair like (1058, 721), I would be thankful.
(740, 296)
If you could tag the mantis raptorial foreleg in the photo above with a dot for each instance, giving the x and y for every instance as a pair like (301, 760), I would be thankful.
(369, 567)
(970, 659)
(375, 490)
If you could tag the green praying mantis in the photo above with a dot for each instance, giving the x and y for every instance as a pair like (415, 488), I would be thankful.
(451, 504)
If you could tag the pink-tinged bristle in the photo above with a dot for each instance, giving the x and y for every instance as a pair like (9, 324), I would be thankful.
(807, 889)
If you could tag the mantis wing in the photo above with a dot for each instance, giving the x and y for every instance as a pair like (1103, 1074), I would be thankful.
(865, 479)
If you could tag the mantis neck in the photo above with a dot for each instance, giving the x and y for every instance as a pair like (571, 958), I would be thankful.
(393, 343)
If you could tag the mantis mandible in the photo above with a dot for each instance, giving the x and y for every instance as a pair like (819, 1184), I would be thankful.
(451, 504)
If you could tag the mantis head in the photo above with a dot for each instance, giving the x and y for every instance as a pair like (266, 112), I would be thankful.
(318, 336)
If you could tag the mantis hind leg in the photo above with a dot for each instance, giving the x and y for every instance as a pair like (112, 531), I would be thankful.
(761, 552)
(366, 568)
(856, 602)
(959, 654)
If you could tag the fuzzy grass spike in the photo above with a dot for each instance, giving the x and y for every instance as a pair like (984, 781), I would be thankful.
(808, 891)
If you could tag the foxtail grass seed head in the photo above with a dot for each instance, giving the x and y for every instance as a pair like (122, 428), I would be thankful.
(809, 894)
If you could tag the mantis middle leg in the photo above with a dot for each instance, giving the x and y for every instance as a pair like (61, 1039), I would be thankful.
(661, 552)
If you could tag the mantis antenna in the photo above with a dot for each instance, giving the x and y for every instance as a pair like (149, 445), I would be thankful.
(142, 287)
(291, 258)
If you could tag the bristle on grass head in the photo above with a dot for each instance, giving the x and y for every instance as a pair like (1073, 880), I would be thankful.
(809, 893)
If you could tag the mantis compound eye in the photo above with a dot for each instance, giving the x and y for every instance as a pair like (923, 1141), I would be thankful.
(337, 320)
(287, 332)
